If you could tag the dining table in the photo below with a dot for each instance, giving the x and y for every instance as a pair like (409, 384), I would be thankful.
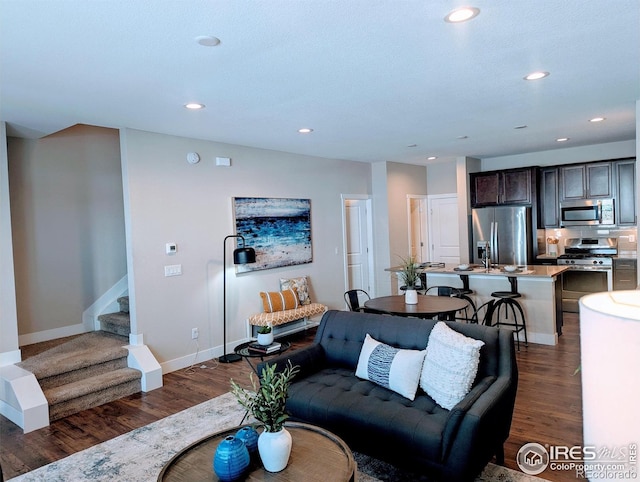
(428, 306)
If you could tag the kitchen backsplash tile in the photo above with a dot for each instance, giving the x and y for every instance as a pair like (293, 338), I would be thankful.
(627, 238)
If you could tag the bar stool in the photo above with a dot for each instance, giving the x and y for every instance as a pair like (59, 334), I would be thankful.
(507, 300)
(462, 293)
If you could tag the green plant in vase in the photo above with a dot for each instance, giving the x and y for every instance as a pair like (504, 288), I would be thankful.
(409, 274)
(265, 335)
(267, 404)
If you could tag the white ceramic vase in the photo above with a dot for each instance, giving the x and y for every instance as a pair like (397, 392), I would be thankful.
(411, 297)
(274, 449)
(265, 338)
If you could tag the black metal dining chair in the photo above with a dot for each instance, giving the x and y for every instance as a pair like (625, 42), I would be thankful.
(352, 298)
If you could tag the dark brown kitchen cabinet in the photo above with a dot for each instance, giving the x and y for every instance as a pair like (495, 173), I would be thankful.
(625, 176)
(511, 186)
(586, 181)
(625, 275)
(549, 203)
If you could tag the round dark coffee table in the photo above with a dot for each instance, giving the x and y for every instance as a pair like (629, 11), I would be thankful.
(316, 455)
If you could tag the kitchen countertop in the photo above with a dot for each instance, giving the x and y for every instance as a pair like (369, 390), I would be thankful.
(530, 271)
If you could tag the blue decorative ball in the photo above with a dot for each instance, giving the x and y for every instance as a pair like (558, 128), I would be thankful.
(249, 436)
(231, 459)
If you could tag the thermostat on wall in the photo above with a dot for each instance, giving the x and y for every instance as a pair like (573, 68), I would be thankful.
(223, 161)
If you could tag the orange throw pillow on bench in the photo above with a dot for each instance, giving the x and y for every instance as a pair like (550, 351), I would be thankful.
(279, 300)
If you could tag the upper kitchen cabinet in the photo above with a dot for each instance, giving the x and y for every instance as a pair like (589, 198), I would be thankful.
(549, 203)
(586, 181)
(625, 175)
(511, 186)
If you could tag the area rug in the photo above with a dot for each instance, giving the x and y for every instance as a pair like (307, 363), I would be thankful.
(138, 456)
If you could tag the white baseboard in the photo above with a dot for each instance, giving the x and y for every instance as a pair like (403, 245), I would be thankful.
(199, 357)
(52, 334)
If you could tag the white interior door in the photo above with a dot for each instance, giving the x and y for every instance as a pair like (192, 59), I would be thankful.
(444, 231)
(357, 244)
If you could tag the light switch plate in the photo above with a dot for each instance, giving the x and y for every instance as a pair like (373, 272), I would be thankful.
(173, 270)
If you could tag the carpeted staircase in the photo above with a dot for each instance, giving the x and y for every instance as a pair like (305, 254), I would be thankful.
(87, 370)
(119, 322)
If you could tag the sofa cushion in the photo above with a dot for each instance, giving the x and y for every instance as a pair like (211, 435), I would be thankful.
(392, 368)
(279, 300)
(300, 285)
(368, 417)
(450, 365)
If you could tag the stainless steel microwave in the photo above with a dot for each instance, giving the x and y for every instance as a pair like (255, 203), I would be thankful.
(587, 212)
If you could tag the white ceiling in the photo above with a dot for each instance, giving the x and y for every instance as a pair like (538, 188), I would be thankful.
(371, 77)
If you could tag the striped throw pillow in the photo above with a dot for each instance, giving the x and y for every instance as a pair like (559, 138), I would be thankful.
(279, 300)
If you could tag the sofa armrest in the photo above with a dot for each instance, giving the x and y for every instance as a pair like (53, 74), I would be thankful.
(310, 359)
(483, 425)
(457, 413)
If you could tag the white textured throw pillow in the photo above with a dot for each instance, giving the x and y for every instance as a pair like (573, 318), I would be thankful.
(450, 366)
(392, 368)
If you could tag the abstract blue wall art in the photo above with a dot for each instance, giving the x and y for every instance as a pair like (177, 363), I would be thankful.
(279, 229)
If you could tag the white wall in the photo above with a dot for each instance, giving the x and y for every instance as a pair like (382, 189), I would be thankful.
(169, 200)
(68, 226)
(392, 182)
(9, 352)
(441, 178)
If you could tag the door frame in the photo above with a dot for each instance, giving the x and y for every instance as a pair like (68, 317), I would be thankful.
(423, 198)
(368, 235)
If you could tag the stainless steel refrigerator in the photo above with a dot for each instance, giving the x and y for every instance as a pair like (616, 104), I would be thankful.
(507, 229)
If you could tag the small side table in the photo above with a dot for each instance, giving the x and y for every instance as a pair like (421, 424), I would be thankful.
(244, 352)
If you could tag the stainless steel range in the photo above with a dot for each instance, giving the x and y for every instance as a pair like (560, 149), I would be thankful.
(590, 268)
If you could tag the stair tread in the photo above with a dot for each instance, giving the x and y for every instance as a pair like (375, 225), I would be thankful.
(121, 317)
(95, 383)
(89, 349)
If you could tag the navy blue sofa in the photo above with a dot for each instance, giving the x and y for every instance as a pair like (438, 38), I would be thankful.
(451, 445)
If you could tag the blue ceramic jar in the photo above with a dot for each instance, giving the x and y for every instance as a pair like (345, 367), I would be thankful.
(231, 459)
(249, 436)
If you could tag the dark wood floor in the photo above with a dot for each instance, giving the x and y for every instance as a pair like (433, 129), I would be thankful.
(548, 407)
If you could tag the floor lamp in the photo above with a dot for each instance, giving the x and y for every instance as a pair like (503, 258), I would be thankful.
(241, 255)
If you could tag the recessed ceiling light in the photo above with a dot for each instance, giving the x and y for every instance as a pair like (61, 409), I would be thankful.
(208, 40)
(562, 139)
(536, 75)
(462, 14)
(194, 106)
(597, 119)
(431, 158)
(305, 130)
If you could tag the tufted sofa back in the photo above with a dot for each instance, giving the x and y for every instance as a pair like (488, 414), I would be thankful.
(342, 333)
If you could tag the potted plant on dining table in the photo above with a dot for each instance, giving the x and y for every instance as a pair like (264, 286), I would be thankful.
(266, 402)
(409, 276)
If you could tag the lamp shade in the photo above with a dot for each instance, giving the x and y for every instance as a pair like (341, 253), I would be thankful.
(244, 255)
(610, 357)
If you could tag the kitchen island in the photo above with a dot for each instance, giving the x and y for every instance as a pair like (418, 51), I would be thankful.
(539, 286)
